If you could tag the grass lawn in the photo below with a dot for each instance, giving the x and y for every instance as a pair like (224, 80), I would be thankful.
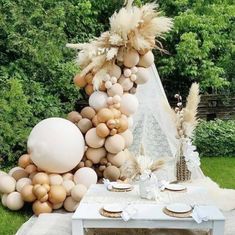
(221, 170)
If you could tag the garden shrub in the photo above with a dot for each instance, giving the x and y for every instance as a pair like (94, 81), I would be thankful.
(216, 138)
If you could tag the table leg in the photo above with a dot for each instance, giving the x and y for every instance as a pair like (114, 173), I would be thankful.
(77, 227)
(218, 228)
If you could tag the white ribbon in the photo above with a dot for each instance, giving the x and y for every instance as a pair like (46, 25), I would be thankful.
(108, 185)
(128, 213)
(199, 214)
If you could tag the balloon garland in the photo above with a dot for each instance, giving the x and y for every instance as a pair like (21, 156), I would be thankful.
(66, 156)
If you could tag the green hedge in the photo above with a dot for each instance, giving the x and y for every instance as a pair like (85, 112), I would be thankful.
(216, 138)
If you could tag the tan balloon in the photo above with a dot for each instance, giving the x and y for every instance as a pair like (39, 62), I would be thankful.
(30, 168)
(22, 182)
(55, 179)
(7, 184)
(70, 204)
(68, 185)
(84, 125)
(95, 155)
(115, 71)
(27, 193)
(117, 159)
(102, 130)
(88, 163)
(116, 113)
(14, 201)
(40, 192)
(41, 207)
(19, 173)
(24, 160)
(47, 187)
(114, 144)
(95, 121)
(79, 81)
(78, 192)
(57, 206)
(93, 140)
(128, 137)
(143, 75)
(146, 60)
(88, 112)
(44, 199)
(104, 115)
(89, 78)
(74, 117)
(123, 124)
(41, 178)
(57, 194)
(68, 176)
(131, 58)
(86, 176)
(112, 173)
(89, 89)
(115, 89)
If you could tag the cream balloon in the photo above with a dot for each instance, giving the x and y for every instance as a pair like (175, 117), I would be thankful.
(93, 140)
(117, 159)
(98, 100)
(129, 104)
(7, 184)
(55, 179)
(86, 176)
(4, 200)
(143, 75)
(56, 145)
(22, 182)
(114, 144)
(128, 137)
(78, 192)
(70, 204)
(146, 60)
(68, 185)
(14, 201)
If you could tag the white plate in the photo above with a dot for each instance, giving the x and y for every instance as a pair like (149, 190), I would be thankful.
(179, 208)
(175, 187)
(121, 185)
(115, 208)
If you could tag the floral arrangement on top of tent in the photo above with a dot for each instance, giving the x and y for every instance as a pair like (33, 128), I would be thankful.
(64, 158)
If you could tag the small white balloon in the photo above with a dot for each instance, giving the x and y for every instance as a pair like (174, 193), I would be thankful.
(108, 84)
(56, 145)
(129, 104)
(86, 176)
(98, 100)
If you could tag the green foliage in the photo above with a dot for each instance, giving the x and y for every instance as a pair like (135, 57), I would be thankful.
(201, 45)
(216, 138)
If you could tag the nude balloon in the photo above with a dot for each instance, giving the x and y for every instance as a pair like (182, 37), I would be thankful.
(56, 145)
(86, 176)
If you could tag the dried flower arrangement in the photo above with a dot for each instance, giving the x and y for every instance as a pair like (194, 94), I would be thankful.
(186, 121)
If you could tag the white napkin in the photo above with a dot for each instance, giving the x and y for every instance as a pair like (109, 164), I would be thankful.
(199, 214)
(162, 184)
(108, 185)
(128, 212)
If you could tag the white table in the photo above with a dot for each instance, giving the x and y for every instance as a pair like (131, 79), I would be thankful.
(149, 215)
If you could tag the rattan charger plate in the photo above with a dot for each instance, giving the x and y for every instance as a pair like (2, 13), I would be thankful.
(177, 215)
(110, 214)
(121, 190)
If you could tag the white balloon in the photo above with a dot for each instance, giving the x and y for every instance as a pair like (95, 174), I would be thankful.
(129, 104)
(98, 100)
(56, 145)
(143, 75)
(14, 201)
(86, 176)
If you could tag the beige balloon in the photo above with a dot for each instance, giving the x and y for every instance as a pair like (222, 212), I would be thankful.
(55, 179)
(7, 184)
(126, 83)
(95, 155)
(131, 58)
(114, 144)
(27, 193)
(115, 89)
(88, 112)
(68, 185)
(68, 176)
(70, 204)
(4, 200)
(112, 173)
(146, 60)
(117, 159)
(128, 137)
(143, 75)
(14, 201)
(115, 71)
(57, 206)
(78, 192)
(93, 140)
(41, 207)
(22, 182)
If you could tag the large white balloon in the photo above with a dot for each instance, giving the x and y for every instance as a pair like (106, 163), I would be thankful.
(129, 104)
(56, 145)
(98, 100)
